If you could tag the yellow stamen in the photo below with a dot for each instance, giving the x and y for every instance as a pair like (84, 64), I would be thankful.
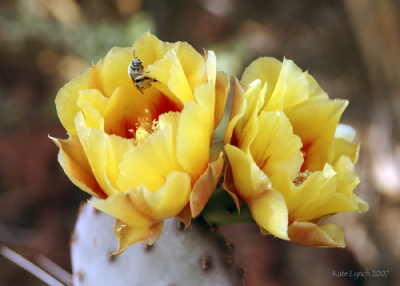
(301, 178)
(144, 128)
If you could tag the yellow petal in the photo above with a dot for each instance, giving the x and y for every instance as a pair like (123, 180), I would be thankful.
(93, 118)
(254, 100)
(362, 205)
(249, 180)
(73, 160)
(115, 115)
(347, 179)
(287, 84)
(150, 162)
(122, 206)
(205, 185)
(170, 63)
(94, 143)
(195, 130)
(177, 81)
(292, 91)
(282, 182)
(322, 182)
(248, 125)
(267, 70)
(346, 148)
(161, 70)
(315, 92)
(127, 236)
(316, 126)
(67, 98)
(117, 147)
(322, 190)
(326, 204)
(150, 49)
(114, 71)
(309, 234)
(269, 211)
(95, 98)
(140, 208)
(275, 147)
(267, 205)
(170, 199)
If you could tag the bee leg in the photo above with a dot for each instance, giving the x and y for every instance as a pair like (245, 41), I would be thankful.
(139, 88)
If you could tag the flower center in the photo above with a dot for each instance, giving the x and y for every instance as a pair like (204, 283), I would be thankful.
(301, 178)
(143, 128)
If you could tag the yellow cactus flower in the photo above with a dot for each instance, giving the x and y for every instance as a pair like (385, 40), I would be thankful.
(144, 153)
(289, 160)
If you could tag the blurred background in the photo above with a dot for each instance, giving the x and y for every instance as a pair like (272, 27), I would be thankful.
(352, 48)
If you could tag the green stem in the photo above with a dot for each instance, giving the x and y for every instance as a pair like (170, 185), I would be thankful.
(221, 210)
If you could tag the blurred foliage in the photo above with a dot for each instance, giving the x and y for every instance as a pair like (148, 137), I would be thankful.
(91, 41)
(351, 47)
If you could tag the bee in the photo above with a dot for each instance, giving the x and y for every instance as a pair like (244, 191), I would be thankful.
(138, 75)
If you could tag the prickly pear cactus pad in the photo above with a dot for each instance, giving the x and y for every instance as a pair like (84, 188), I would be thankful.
(195, 256)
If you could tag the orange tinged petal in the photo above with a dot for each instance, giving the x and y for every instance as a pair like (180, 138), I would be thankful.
(222, 86)
(127, 236)
(205, 185)
(239, 105)
(185, 216)
(309, 234)
(229, 186)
